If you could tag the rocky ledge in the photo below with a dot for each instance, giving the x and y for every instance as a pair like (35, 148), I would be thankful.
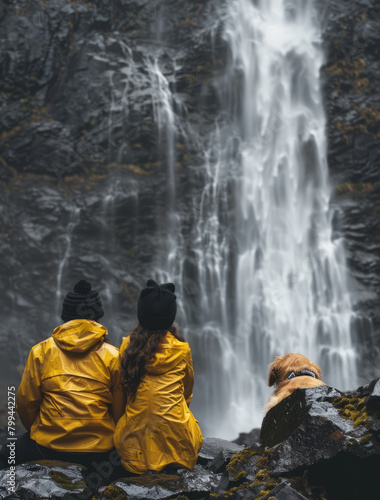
(318, 444)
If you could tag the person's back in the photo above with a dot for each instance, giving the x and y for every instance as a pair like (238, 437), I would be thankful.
(70, 377)
(67, 399)
(158, 428)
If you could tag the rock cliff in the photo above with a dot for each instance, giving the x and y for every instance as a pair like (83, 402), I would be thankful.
(351, 76)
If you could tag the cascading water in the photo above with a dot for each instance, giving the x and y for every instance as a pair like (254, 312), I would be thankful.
(167, 110)
(74, 220)
(270, 276)
(291, 287)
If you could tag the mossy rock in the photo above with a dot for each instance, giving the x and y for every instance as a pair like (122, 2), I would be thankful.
(65, 482)
(244, 463)
(257, 478)
(48, 479)
(113, 493)
(197, 484)
(353, 408)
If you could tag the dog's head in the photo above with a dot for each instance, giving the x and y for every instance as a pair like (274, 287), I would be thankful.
(283, 366)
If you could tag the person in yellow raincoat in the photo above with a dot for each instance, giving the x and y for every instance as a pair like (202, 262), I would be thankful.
(67, 399)
(157, 429)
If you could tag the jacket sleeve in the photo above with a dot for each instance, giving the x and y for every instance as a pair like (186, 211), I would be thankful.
(188, 381)
(118, 398)
(29, 394)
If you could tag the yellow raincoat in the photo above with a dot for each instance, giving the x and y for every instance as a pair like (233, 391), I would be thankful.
(65, 398)
(158, 428)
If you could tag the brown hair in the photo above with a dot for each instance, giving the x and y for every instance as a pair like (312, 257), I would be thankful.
(142, 347)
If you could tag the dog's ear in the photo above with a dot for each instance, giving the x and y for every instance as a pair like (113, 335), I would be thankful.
(272, 373)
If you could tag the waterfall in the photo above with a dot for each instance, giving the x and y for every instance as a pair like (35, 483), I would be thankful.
(66, 237)
(291, 286)
(269, 273)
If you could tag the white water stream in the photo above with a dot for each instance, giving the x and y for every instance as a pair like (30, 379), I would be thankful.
(66, 249)
(271, 278)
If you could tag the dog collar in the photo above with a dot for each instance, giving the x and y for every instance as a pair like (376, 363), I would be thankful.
(300, 374)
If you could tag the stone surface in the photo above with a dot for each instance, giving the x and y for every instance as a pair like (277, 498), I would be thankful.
(333, 436)
(350, 78)
(244, 464)
(317, 424)
(322, 444)
(373, 400)
(45, 480)
(292, 413)
(248, 438)
(284, 491)
(212, 447)
(194, 485)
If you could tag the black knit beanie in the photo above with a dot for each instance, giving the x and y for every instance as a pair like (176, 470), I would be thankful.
(83, 303)
(157, 306)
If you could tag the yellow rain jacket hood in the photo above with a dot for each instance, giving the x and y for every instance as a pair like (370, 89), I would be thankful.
(158, 429)
(65, 398)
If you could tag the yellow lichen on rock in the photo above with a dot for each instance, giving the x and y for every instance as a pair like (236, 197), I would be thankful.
(113, 493)
(65, 482)
(239, 460)
(353, 409)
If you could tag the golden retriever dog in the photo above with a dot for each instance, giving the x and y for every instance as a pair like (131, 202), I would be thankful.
(291, 372)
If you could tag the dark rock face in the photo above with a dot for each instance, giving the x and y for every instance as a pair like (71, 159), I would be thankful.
(83, 151)
(351, 76)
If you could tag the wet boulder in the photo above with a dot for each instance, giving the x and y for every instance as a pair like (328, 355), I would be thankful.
(317, 424)
(215, 447)
(284, 491)
(197, 484)
(248, 475)
(248, 438)
(372, 394)
(317, 443)
(331, 435)
(54, 480)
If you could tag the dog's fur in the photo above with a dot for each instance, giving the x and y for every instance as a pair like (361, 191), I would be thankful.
(282, 367)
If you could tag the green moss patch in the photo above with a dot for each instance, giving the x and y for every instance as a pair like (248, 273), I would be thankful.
(353, 408)
(263, 482)
(238, 463)
(113, 493)
(366, 439)
(65, 482)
